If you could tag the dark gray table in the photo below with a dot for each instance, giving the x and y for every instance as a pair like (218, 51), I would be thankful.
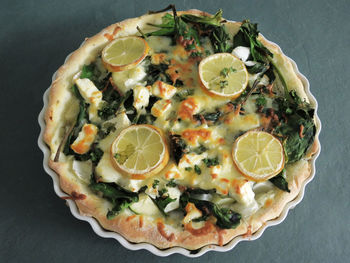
(36, 36)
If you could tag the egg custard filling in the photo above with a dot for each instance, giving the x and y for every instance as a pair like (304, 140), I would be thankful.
(193, 127)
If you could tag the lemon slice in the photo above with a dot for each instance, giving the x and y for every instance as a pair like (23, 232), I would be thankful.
(140, 150)
(258, 155)
(124, 53)
(223, 75)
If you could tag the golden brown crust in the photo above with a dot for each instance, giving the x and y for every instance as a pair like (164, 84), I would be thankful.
(60, 114)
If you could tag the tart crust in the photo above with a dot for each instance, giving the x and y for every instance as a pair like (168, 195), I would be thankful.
(61, 114)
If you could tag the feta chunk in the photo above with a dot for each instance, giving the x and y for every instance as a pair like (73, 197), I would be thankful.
(241, 52)
(91, 95)
(161, 108)
(141, 97)
(192, 212)
(89, 91)
(173, 172)
(128, 79)
(242, 191)
(85, 138)
(163, 90)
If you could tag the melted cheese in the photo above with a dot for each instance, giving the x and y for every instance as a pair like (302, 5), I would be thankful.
(128, 79)
(177, 116)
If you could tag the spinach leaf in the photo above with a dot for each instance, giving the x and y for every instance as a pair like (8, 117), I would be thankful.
(148, 118)
(93, 73)
(280, 181)
(158, 72)
(197, 169)
(112, 100)
(225, 218)
(82, 118)
(167, 27)
(297, 129)
(171, 183)
(178, 146)
(118, 196)
(130, 110)
(248, 37)
(209, 116)
(162, 201)
(220, 39)
(200, 149)
(214, 20)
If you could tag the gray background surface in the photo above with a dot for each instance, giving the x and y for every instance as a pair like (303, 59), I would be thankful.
(35, 38)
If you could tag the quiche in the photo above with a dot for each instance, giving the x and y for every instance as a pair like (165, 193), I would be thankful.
(180, 129)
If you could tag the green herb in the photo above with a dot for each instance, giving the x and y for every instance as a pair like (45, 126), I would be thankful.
(162, 191)
(200, 149)
(178, 146)
(197, 169)
(188, 169)
(155, 184)
(280, 181)
(225, 218)
(260, 101)
(118, 196)
(226, 71)
(211, 162)
(123, 155)
(171, 183)
(223, 84)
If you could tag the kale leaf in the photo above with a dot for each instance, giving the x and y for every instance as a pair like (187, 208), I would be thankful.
(118, 196)
(225, 218)
(280, 181)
